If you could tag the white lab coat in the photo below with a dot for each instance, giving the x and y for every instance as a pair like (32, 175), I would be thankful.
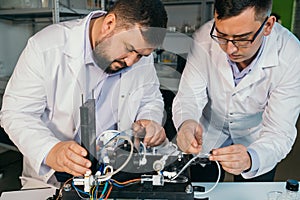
(260, 112)
(42, 99)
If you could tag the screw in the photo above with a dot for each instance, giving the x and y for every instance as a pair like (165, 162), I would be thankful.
(67, 187)
(188, 189)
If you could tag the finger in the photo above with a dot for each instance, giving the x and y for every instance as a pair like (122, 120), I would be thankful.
(193, 150)
(136, 142)
(150, 140)
(71, 164)
(139, 131)
(157, 139)
(135, 126)
(154, 135)
(198, 134)
(78, 159)
(191, 139)
(186, 145)
(232, 165)
(75, 171)
(198, 139)
(232, 149)
(150, 133)
(225, 157)
(232, 171)
(78, 149)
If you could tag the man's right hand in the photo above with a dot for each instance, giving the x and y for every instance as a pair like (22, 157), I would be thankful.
(68, 157)
(189, 137)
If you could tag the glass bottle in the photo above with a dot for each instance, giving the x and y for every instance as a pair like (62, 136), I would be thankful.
(291, 192)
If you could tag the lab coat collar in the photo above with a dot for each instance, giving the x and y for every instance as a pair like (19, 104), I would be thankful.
(270, 56)
(75, 41)
(74, 51)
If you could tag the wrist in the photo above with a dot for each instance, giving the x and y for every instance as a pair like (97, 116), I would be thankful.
(250, 164)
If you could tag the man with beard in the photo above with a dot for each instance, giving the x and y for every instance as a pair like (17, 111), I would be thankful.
(106, 55)
(239, 95)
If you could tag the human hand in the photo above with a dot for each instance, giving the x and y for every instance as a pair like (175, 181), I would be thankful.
(152, 132)
(189, 137)
(234, 158)
(69, 157)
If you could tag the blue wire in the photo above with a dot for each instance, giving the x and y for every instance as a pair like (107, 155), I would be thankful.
(101, 168)
(104, 189)
(77, 189)
(119, 186)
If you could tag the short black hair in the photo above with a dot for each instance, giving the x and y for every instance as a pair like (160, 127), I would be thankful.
(230, 8)
(150, 15)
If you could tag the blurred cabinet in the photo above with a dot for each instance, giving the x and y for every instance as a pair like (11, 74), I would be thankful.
(55, 9)
(188, 15)
(184, 17)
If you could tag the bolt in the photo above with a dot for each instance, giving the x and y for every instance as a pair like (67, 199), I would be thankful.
(189, 189)
(67, 187)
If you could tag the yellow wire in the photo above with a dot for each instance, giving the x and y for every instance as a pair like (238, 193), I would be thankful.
(92, 195)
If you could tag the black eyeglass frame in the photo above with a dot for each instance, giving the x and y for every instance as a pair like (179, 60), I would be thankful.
(235, 42)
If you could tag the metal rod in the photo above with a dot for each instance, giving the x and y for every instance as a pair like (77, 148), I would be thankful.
(55, 11)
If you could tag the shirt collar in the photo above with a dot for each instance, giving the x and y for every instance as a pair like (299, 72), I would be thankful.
(246, 70)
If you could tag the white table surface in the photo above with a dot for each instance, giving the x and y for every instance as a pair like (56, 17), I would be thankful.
(32, 194)
(241, 190)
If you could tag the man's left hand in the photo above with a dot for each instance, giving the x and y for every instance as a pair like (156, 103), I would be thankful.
(234, 158)
(152, 132)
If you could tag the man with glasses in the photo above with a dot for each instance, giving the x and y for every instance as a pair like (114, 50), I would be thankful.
(239, 95)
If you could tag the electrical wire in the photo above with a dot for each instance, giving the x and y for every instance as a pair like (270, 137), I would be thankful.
(106, 132)
(109, 191)
(126, 182)
(92, 196)
(188, 163)
(182, 179)
(78, 191)
(119, 186)
(144, 159)
(216, 183)
(109, 175)
(61, 188)
(184, 167)
(104, 190)
(96, 192)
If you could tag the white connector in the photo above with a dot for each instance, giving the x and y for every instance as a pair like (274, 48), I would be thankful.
(87, 181)
(169, 174)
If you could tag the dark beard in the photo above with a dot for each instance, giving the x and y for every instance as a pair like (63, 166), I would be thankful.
(109, 70)
(101, 61)
(105, 64)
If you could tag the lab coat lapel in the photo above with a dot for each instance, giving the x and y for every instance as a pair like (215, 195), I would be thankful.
(75, 51)
(269, 58)
(74, 56)
(86, 80)
(254, 76)
(224, 72)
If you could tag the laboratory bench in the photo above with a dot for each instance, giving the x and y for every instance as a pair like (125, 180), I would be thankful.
(224, 190)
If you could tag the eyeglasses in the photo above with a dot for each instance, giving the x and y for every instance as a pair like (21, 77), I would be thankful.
(238, 43)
